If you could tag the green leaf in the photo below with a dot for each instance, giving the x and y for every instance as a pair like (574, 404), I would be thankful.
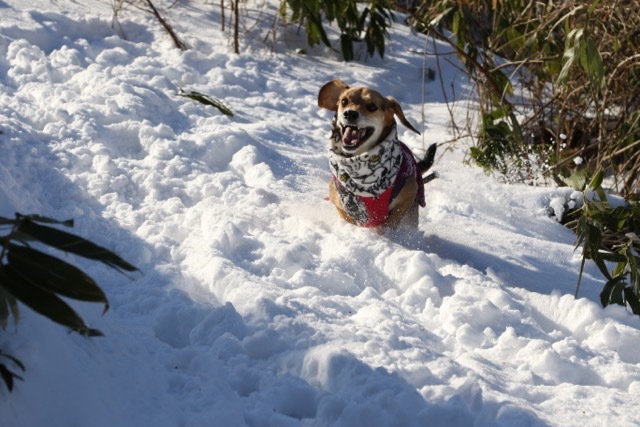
(632, 300)
(612, 257)
(206, 100)
(596, 181)
(42, 302)
(578, 181)
(438, 18)
(14, 360)
(503, 83)
(634, 271)
(602, 267)
(4, 309)
(612, 292)
(581, 231)
(620, 267)
(347, 47)
(45, 220)
(71, 243)
(363, 18)
(8, 376)
(282, 10)
(568, 60)
(8, 306)
(315, 30)
(605, 294)
(54, 275)
(593, 239)
(591, 61)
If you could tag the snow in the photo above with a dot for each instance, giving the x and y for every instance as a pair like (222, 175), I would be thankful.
(256, 304)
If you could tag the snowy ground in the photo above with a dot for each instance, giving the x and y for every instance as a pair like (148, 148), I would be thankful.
(257, 305)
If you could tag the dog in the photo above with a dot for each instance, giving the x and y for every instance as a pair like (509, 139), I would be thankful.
(377, 182)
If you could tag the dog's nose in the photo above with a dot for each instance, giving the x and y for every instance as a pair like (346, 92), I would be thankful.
(350, 115)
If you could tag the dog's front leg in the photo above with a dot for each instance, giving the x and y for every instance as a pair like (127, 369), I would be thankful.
(404, 205)
(334, 197)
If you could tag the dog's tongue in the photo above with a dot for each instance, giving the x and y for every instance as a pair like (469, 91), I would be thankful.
(351, 136)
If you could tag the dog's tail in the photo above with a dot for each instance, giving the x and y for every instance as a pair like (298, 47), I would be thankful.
(425, 164)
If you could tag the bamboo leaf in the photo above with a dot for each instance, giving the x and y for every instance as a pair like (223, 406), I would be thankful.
(439, 17)
(46, 220)
(591, 61)
(43, 302)
(363, 18)
(578, 181)
(14, 360)
(207, 100)
(596, 181)
(54, 275)
(617, 293)
(602, 267)
(347, 47)
(613, 292)
(568, 60)
(7, 376)
(632, 300)
(605, 294)
(71, 243)
(612, 257)
(634, 271)
(8, 306)
(4, 308)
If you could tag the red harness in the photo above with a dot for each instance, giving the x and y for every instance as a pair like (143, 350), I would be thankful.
(375, 209)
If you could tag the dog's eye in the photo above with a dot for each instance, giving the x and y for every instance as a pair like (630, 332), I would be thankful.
(372, 107)
(344, 102)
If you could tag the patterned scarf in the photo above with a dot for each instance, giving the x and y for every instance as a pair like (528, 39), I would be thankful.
(371, 173)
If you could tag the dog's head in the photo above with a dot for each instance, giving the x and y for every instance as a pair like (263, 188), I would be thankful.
(363, 116)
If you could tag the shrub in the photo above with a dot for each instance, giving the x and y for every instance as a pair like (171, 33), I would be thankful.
(577, 65)
(38, 280)
(368, 23)
(609, 235)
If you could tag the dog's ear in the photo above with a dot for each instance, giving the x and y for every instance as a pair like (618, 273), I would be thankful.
(393, 105)
(330, 93)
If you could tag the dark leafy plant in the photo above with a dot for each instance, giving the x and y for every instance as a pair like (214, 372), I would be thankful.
(39, 280)
(609, 236)
(206, 100)
(577, 65)
(8, 375)
(357, 21)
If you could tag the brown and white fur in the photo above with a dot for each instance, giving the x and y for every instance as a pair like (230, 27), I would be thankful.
(364, 118)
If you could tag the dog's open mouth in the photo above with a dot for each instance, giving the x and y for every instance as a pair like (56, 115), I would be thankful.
(353, 136)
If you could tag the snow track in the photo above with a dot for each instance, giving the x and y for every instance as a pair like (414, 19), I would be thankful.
(257, 305)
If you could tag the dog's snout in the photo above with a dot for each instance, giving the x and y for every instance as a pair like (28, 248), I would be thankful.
(350, 115)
